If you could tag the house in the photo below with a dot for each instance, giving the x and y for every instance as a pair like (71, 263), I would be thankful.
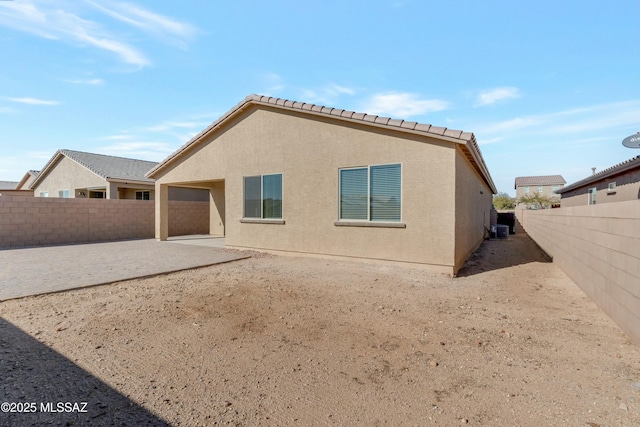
(27, 180)
(292, 177)
(8, 185)
(546, 185)
(616, 184)
(13, 188)
(77, 174)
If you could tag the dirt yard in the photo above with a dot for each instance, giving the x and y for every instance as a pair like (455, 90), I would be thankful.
(306, 341)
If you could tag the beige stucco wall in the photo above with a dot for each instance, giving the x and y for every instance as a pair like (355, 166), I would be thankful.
(309, 151)
(67, 175)
(472, 209)
(598, 247)
(627, 188)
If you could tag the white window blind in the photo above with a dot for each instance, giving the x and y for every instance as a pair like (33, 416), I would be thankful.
(263, 196)
(385, 193)
(371, 193)
(353, 194)
(252, 197)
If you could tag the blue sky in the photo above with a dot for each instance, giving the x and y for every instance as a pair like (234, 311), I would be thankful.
(547, 87)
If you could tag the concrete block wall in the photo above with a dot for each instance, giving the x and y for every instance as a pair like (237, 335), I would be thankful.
(188, 218)
(37, 221)
(598, 247)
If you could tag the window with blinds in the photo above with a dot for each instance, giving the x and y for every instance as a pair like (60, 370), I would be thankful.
(263, 196)
(371, 193)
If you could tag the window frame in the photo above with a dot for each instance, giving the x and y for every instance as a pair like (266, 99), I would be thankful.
(611, 187)
(64, 194)
(591, 194)
(261, 219)
(142, 193)
(369, 222)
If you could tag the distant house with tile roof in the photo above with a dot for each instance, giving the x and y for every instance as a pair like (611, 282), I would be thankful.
(294, 177)
(618, 183)
(77, 174)
(14, 188)
(547, 185)
(8, 185)
(27, 180)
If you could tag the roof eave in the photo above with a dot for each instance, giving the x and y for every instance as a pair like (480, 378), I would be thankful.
(633, 164)
(130, 181)
(319, 111)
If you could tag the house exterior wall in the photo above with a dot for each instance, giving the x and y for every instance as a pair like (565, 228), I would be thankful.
(627, 188)
(35, 221)
(598, 247)
(67, 175)
(474, 201)
(309, 152)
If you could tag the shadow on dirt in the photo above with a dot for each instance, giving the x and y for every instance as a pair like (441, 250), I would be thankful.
(495, 254)
(53, 389)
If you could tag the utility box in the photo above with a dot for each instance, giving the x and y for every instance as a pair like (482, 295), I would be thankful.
(502, 231)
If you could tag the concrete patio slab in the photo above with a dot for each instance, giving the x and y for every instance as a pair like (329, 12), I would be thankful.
(41, 270)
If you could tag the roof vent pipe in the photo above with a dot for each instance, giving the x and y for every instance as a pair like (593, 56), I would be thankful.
(593, 171)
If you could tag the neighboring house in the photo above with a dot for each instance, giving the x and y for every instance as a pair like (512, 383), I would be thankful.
(616, 184)
(11, 188)
(8, 185)
(78, 174)
(547, 185)
(27, 180)
(301, 178)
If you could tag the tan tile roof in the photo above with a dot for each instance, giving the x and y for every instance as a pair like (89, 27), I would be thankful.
(466, 139)
(539, 180)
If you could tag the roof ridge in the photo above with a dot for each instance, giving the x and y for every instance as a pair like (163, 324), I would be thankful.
(66, 150)
(349, 114)
(602, 173)
(467, 139)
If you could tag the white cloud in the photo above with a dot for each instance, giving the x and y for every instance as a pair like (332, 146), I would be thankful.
(51, 22)
(572, 121)
(402, 104)
(86, 81)
(122, 137)
(33, 101)
(169, 29)
(498, 94)
(275, 83)
(327, 94)
(157, 141)
(145, 150)
(172, 125)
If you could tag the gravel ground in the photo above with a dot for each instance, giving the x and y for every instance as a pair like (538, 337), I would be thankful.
(305, 341)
